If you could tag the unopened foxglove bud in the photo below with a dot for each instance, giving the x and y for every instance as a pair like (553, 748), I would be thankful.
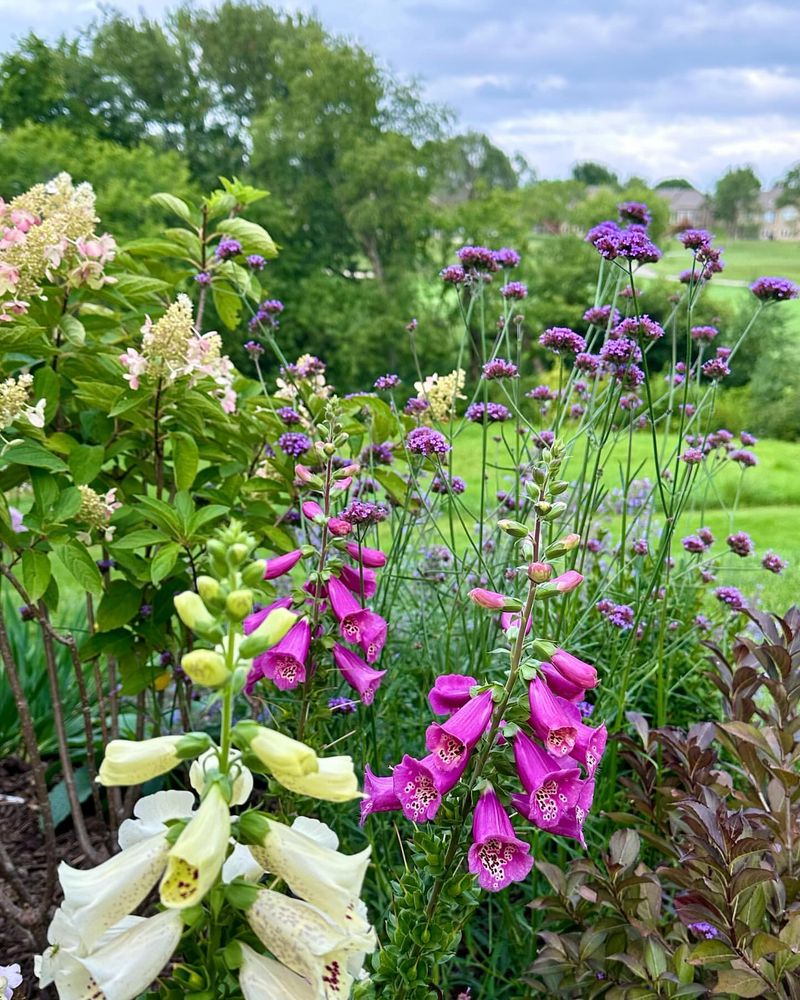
(238, 553)
(556, 510)
(239, 604)
(269, 632)
(542, 507)
(543, 649)
(274, 750)
(210, 591)
(194, 614)
(339, 527)
(539, 572)
(253, 573)
(494, 601)
(218, 554)
(563, 584)
(132, 762)
(305, 476)
(559, 486)
(205, 667)
(514, 528)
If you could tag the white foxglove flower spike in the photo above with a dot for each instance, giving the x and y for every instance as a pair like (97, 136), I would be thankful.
(195, 860)
(242, 776)
(334, 781)
(263, 978)
(152, 813)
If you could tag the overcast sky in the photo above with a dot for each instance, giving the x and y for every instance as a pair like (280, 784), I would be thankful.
(652, 87)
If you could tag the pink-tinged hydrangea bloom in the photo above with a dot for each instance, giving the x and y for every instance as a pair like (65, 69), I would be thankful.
(356, 624)
(554, 720)
(285, 663)
(574, 670)
(379, 795)
(497, 856)
(358, 674)
(281, 565)
(373, 558)
(252, 622)
(550, 788)
(450, 692)
(571, 822)
(356, 580)
(590, 745)
(451, 742)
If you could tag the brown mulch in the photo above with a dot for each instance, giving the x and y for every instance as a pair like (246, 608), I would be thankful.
(21, 836)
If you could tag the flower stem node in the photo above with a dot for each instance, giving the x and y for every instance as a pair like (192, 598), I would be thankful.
(239, 604)
(195, 616)
(514, 528)
(206, 667)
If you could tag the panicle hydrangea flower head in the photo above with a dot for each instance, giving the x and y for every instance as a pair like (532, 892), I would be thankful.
(426, 441)
(704, 334)
(387, 382)
(500, 368)
(514, 290)
(634, 211)
(493, 412)
(602, 316)
(562, 340)
(294, 444)
(442, 393)
(740, 543)
(769, 289)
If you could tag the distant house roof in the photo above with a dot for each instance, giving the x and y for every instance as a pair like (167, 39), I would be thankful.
(768, 200)
(683, 199)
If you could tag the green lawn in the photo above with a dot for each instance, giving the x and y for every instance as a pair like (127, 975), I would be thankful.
(768, 505)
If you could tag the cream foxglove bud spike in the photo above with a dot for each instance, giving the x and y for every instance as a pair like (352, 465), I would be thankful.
(195, 616)
(239, 604)
(270, 632)
(206, 667)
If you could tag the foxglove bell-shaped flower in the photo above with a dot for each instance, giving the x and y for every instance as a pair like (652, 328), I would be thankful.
(252, 622)
(451, 742)
(132, 762)
(197, 856)
(262, 978)
(333, 781)
(356, 624)
(311, 509)
(577, 672)
(497, 856)
(570, 824)
(379, 795)
(353, 580)
(285, 663)
(130, 957)
(590, 745)
(554, 720)
(551, 790)
(490, 599)
(152, 813)
(277, 752)
(358, 674)
(322, 876)
(420, 785)
(281, 565)
(207, 764)
(559, 684)
(563, 584)
(374, 558)
(450, 692)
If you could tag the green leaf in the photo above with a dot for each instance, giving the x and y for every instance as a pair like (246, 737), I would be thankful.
(59, 800)
(85, 462)
(185, 459)
(160, 513)
(67, 505)
(171, 203)
(139, 539)
(73, 330)
(228, 305)
(163, 562)
(47, 386)
(205, 515)
(254, 238)
(120, 603)
(140, 286)
(30, 453)
(711, 953)
(35, 573)
(75, 558)
(739, 983)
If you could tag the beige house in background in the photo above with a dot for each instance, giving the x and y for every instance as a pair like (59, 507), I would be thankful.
(777, 223)
(689, 208)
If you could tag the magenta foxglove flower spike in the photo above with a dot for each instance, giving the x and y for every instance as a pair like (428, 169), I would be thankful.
(590, 745)
(450, 692)
(551, 790)
(379, 795)
(252, 622)
(554, 720)
(285, 663)
(415, 786)
(352, 579)
(357, 673)
(375, 558)
(571, 823)
(559, 685)
(497, 856)
(576, 671)
(281, 565)
(356, 624)
(451, 742)
(311, 509)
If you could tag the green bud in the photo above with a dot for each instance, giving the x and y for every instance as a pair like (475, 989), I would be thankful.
(514, 528)
(543, 648)
(206, 667)
(341, 439)
(240, 894)
(556, 510)
(271, 630)
(238, 553)
(253, 574)
(559, 486)
(194, 614)
(253, 827)
(540, 474)
(239, 604)
(542, 507)
(191, 745)
(211, 593)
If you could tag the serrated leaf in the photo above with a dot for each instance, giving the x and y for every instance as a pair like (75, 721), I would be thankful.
(163, 562)
(85, 462)
(140, 539)
(72, 330)
(228, 305)
(185, 459)
(75, 558)
(35, 573)
(31, 453)
(173, 204)
(254, 238)
(120, 603)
